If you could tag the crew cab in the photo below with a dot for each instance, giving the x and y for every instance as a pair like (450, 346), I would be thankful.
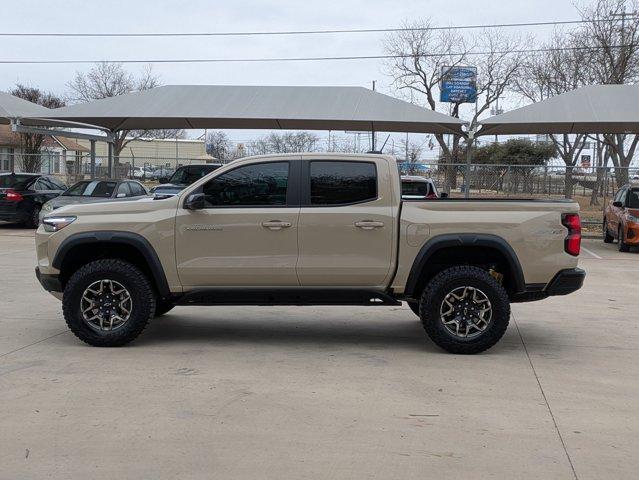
(308, 229)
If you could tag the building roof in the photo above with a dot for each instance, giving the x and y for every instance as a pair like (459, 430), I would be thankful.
(592, 109)
(258, 107)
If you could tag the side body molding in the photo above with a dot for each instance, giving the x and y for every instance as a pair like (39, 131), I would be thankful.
(469, 240)
(140, 243)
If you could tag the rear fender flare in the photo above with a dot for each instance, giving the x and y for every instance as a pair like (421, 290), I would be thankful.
(471, 240)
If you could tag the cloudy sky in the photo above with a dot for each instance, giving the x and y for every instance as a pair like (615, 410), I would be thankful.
(76, 16)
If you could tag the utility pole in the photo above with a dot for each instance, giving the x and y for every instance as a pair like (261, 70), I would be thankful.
(373, 142)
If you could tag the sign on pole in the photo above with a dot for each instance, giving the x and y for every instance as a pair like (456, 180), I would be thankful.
(459, 85)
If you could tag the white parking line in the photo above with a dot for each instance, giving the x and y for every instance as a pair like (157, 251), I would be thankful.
(592, 253)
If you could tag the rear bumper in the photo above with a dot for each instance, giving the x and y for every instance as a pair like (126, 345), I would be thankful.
(564, 282)
(50, 283)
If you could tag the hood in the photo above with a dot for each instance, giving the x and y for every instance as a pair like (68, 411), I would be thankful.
(120, 207)
(62, 201)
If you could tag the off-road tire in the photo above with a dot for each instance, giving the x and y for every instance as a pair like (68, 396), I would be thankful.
(127, 274)
(607, 238)
(445, 282)
(162, 307)
(623, 246)
(414, 306)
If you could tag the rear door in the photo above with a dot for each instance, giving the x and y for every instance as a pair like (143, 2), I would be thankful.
(346, 223)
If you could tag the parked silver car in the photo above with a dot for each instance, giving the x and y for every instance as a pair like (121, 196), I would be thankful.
(91, 191)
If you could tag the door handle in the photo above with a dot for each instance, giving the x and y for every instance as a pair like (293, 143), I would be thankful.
(276, 225)
(369, 224)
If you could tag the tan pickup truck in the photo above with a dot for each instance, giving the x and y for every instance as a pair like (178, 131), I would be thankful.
(308, 229)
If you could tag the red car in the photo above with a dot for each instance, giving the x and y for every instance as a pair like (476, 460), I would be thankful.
(621, 218)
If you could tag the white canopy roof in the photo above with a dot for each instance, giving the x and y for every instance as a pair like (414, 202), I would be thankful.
(13, 108)
(592, 109)
(258, 107)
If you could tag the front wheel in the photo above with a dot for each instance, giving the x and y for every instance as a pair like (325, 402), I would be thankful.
(607, 238)
(107, 303)
(465, 310)
(623, 246)
(33, 220)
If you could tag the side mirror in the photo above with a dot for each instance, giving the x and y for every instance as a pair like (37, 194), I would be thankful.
(195, 201)
(617, 204)
(443, 195)
(163, 180)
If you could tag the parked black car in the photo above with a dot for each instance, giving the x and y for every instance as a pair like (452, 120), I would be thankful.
(182, 178)
(23, 194)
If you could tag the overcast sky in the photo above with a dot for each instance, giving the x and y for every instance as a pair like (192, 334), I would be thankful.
(239, 15)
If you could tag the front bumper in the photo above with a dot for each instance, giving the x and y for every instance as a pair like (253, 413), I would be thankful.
(51, 283)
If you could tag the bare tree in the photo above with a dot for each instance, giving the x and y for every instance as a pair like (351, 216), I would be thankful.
(105, 80)
(219, 145)
(31, 143)
(420, 55)
(558, 69)
(288, 142)
(612, 30)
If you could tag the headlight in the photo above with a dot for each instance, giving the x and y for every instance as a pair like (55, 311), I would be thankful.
(54, 224)
(632, 218)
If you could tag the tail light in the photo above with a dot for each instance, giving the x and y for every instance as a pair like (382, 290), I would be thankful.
(572, 243)
(13, 196)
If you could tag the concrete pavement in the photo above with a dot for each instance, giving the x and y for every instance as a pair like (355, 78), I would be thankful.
(334, 392)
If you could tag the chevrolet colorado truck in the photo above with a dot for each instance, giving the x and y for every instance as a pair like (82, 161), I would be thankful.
(308, 229)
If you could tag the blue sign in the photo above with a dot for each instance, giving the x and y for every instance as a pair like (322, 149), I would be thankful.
(459, 85)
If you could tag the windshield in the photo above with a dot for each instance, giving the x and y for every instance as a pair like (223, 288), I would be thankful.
(18, 182)
(99, 189)
(633, 198)
(188, 175)
(421, 189)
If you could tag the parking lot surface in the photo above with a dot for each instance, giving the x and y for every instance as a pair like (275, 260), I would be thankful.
(330, 393)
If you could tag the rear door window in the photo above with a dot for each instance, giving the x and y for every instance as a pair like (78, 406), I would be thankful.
(342, 182)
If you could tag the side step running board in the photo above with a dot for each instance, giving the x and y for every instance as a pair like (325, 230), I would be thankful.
(285, 296)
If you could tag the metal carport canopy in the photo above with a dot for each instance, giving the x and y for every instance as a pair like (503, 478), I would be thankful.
(258, 107)
(13, 108)
(592, 109)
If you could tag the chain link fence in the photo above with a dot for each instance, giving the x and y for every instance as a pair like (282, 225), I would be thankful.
(589, 185)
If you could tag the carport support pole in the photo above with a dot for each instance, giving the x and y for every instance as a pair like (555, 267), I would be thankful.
(110, 165)
(92, 159)
(469, 158)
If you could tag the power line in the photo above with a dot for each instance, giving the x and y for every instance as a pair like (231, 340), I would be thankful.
(297, 32)
(312, 59)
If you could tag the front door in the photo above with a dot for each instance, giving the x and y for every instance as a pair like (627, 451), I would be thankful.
(247, 233)
(346, 224)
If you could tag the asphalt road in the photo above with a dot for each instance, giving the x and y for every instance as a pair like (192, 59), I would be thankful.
(327, 393)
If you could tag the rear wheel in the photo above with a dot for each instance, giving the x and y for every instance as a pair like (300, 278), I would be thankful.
(465, 310)
(607, 238)
(107, 303)
(33, 220)
(623, 246)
